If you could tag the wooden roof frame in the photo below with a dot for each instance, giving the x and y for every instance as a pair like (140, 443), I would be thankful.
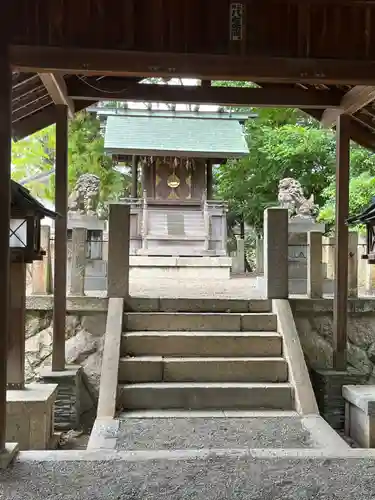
(319, 53)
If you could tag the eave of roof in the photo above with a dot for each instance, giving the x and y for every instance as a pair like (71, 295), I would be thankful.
(168, 136)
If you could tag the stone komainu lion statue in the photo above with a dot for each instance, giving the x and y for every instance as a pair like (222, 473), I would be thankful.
(84, 198)
(291, 197)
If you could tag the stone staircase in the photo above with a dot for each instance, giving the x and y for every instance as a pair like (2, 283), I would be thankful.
(229, 359)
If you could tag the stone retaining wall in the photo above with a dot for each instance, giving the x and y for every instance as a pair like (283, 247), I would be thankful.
(84, 346)
(314, 321)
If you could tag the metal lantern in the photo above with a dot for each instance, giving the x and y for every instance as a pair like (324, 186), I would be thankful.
(24, 228)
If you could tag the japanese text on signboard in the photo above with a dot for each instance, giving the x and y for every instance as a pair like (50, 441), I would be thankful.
(236, 21)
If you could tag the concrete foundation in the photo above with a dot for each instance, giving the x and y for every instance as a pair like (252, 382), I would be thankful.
(8, 455)
(210, 268)
(328, 386)
(30, 416)
(360, 414)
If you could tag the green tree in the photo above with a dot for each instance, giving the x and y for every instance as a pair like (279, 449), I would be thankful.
(275, 151)
(361, 192)
(36, 155)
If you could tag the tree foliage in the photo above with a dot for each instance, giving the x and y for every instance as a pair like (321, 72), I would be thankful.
(36, 155)
(361, 192)
(275, 151)
(287, 142)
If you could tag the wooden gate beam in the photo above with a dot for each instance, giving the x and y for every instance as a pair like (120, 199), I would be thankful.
(90, 89)
(5, 200)
(56, 87)
(70, 60)
(354, 100)
(60, 271)
(340, 302)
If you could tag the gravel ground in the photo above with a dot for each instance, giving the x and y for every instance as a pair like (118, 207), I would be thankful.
(198, 433)
(212, 478)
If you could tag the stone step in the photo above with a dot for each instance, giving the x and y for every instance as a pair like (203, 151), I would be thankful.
(200, 396)
(222, 369)
(221, 322)
(214, 305)
(145, 304)
(254, 344)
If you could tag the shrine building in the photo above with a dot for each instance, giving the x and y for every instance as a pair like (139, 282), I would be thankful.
(173, 210)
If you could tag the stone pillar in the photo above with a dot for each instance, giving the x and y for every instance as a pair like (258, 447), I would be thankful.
(134, 189)
(331, 244)
(362, 263)
(78, 271)
(353, 265)
(16, 341)
(60, 268)
(259, 255)
(206, 220)
(370, 279)
(118, 251)
(209, 180)
(314, 265)
(238, 261)
(276, 253)
(42, 269)
(5, 199)
(340, 300)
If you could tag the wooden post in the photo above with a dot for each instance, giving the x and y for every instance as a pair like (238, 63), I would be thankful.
(314, 265)
(209, 183)
(341, 233)
(16, 340)
(5, 162)
(134, 190)
(61, 205)
(42, 272)
(353, 264)
(78, 270)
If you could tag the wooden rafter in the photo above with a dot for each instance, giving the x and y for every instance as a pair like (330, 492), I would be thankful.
(201, 66)
(358, 97)
(118, 88)
(55, 84)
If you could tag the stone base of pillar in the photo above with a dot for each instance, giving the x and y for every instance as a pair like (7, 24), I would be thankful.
(30, 416)
(72, 399)
(327, 385)
(8, 455)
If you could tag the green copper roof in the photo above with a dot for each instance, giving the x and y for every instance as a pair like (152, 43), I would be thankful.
(199, 137)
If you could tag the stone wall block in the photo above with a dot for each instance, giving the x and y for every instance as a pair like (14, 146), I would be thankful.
(322, 325)
(371, 353)
(318, 351)
(358, 358)
(361, 329)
